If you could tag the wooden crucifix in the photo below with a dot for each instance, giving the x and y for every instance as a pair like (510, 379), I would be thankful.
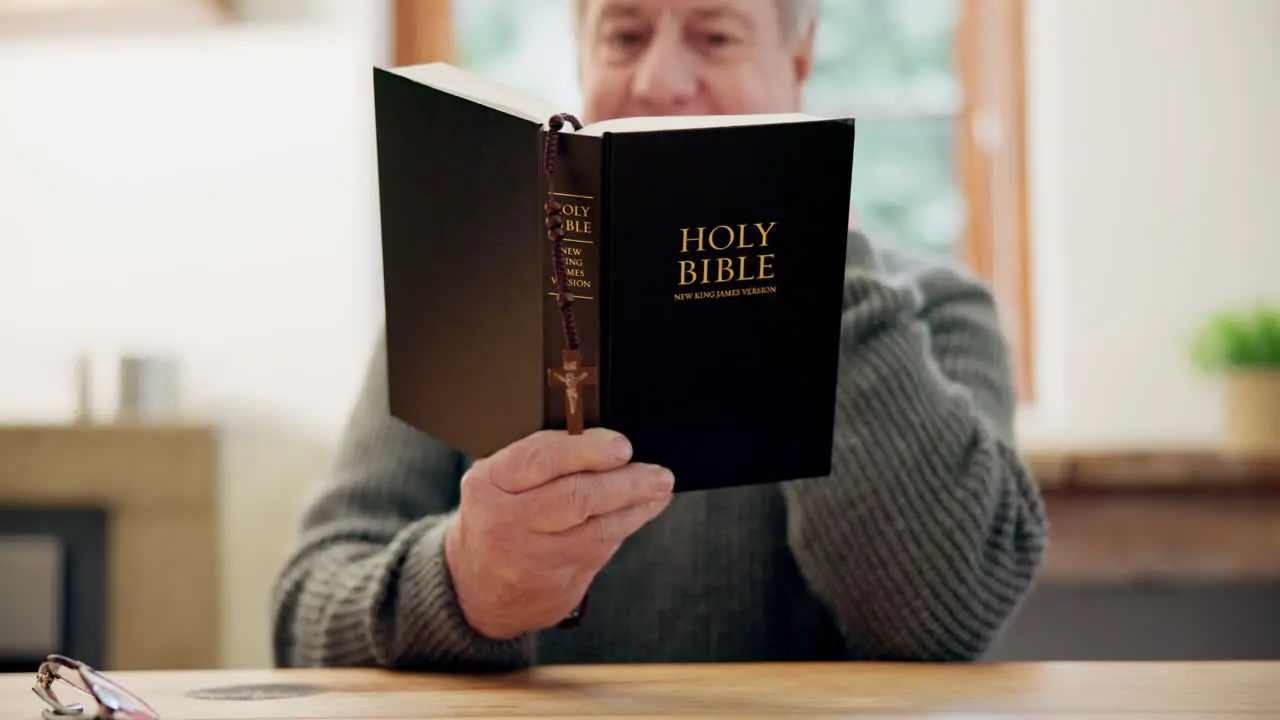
(572, 376)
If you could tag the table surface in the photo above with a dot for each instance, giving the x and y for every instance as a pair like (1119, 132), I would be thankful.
(1077, 691)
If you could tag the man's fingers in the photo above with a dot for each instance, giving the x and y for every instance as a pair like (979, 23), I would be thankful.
(573, 499)
(608, 531)
(549, 454)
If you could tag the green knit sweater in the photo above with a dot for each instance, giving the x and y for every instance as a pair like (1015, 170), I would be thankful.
(920, 545)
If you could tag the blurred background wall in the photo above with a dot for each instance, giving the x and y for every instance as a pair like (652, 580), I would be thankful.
(208, 194)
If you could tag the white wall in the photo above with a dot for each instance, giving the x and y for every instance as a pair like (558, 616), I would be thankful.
(213, 196)
(1156, 174)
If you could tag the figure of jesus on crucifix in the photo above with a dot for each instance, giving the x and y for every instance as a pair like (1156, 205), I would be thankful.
(571, 376)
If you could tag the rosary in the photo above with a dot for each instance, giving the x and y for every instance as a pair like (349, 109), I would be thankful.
(571, 374)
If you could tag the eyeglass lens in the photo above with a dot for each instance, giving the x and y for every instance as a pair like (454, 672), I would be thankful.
(108, 694)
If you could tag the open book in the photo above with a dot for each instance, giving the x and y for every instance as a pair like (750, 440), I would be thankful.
(678, 279)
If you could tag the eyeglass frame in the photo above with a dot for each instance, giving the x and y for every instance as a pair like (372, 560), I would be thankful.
(126, 705)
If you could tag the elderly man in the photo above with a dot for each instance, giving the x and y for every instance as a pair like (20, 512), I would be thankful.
(919, 546)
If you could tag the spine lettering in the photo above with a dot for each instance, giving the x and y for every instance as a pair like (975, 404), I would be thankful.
(578, 192)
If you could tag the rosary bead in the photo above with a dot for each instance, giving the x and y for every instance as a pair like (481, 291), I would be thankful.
(555, 234)
(553, 207)
(557, 122)
(554, 221)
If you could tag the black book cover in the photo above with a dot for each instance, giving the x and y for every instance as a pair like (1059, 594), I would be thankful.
(706, 257)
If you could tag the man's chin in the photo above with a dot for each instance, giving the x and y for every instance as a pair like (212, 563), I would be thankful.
(682, 112)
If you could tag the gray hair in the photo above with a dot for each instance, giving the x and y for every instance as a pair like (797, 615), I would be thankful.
(794, 16)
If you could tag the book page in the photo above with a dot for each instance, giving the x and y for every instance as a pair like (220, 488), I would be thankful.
(519, 103)
(450, 79)
(688, 122)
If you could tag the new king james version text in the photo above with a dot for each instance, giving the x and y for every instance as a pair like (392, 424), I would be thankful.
(729, 261)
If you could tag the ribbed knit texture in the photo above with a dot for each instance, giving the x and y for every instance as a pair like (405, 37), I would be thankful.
(919, 546)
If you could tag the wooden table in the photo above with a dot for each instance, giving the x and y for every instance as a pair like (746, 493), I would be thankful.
(1075, 691)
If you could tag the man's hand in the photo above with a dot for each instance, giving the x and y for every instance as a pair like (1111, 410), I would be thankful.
(537, 521)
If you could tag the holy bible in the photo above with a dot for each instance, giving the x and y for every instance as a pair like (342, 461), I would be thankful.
(677, 279)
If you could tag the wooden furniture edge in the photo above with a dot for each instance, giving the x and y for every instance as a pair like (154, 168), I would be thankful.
(1184, 471)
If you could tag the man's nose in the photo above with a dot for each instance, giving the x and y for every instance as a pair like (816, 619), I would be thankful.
(665, 81)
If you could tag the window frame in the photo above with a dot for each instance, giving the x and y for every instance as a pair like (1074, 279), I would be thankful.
(422, 32)
(991, 147)
(992, 162)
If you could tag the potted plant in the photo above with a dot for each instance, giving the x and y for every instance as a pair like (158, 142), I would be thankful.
(1244, 346)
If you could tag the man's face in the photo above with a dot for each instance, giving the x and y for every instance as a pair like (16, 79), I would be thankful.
(689, 57)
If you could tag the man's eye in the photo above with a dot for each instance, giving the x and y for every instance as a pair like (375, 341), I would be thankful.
(624, 38)
(718, 40)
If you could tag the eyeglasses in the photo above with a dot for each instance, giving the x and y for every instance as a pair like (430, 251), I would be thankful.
(113, 701)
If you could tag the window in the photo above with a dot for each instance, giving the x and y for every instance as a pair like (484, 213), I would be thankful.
(935, 84)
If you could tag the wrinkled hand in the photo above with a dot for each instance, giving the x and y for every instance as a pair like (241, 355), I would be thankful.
(538, 519)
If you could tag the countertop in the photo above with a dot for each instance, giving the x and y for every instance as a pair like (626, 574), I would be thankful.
(1218, 690)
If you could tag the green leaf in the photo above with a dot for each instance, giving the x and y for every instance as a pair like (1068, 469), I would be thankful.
(1238, 340)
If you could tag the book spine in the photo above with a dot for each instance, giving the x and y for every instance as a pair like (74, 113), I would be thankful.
(579, 190)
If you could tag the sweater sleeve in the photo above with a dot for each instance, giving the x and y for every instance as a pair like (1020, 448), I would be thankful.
(928, 533)
(367, 584)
